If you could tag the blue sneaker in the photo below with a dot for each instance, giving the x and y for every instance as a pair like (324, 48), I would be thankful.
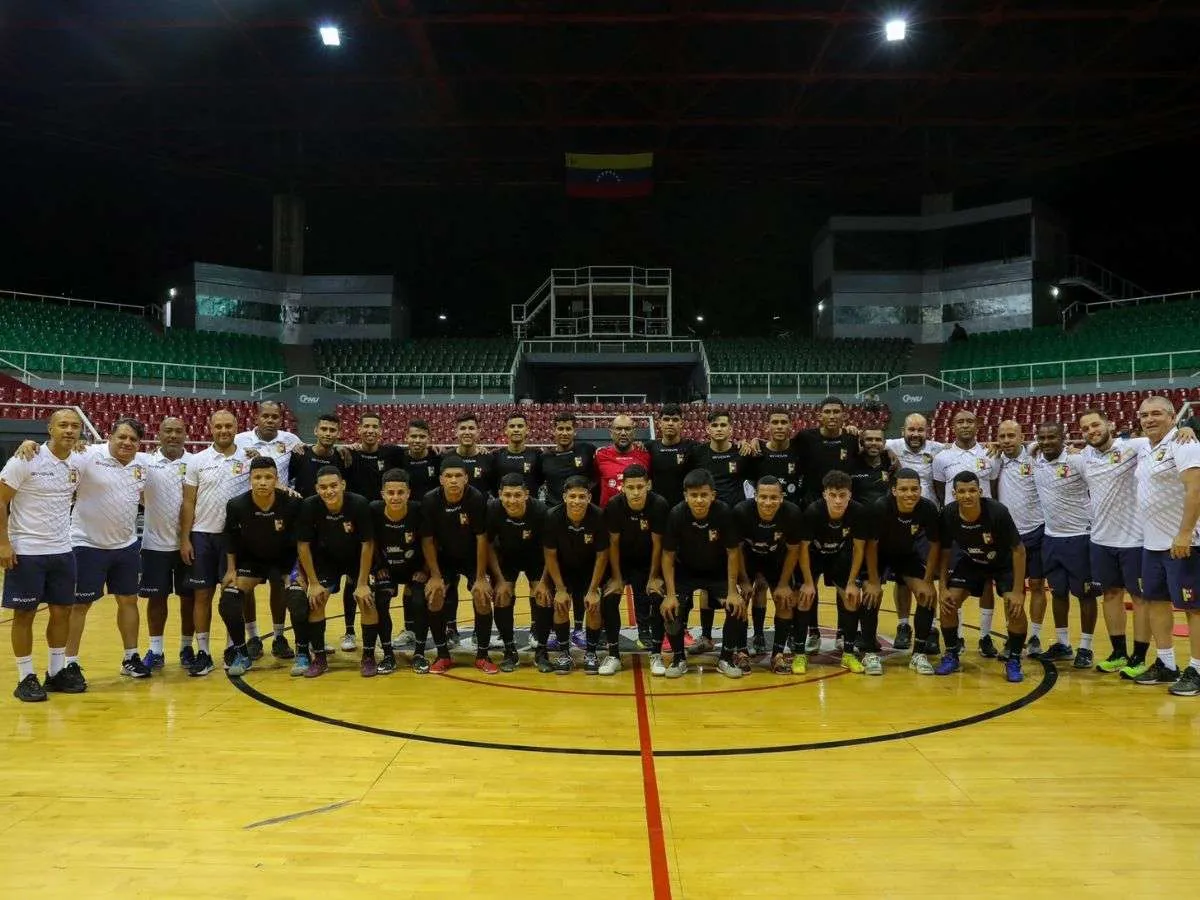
(154, 660)
(1012, 670)
(949, 665)
(187, 657)
(240, 664)
(578, 639)
(553, 645)
(300, 664)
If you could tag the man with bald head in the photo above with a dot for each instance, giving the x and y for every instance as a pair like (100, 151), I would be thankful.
(1017, 490)
(966, 454)
(613, 460)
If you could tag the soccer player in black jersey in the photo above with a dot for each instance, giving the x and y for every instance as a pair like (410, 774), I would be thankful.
(576, 543)
(871, 471)
(454, 541)
(515, 526)
(987, 548)
(905, 547)
(635, 519)
(566, 458)
(260, 533)
(307, 461)
(835, 538)
(336, 540)
(771, 530)
(516, 457)
(419, 459)
(778, 457)
(701, 552)
(370, 458)
(399, 563)
(670, 455)
(479, 464)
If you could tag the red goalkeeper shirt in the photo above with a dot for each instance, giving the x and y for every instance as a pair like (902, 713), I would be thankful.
(611, 464)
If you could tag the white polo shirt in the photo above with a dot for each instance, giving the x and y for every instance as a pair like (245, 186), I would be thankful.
(39, 515)
(1112, 483)
(218, 479)
(162, 501)
(1160, 491)
(1018, 491)
(920, 461)
(106, 501)
(278, 449)
(1064, 496)
(954, 459)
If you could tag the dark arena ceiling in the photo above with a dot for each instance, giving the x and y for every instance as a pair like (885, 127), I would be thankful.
(464, 92)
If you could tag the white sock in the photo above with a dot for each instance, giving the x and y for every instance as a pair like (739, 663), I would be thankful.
(130, 654)
(156, 644)
(1195, 663)
(251, 629)
(202, 642)
(902, 621)
(1035, 630)
(1167, 657)
(58, 657)
(1085, 642)
(962, 631)
(277, 627)
(185, 641)
(24, 667)
(67, 660)
(1062, 637)
(985, 621)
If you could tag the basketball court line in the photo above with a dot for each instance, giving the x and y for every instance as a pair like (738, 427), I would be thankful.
(277, 820)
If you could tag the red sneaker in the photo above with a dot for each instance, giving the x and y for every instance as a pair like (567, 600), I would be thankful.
(317, 667)
(440, 665)
(486, 666)
(688, 640)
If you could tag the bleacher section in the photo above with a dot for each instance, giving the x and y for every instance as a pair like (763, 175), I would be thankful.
(78, 331)
(1120, 406)
(748, 419)
(104, 409)
(423, 356)
(801, 355)
(1123, 331)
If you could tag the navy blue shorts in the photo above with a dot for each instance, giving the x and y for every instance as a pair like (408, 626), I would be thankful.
(164, 573)
(120, 570)
(1067, 566)
(209, 560)
(967, 576)
(1164, 578)
(1116, 567)
(1032, 542)
(42, 578)
(265, 569)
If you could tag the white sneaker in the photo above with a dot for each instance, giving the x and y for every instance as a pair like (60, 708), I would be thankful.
(812, 643)
(676, 669)
(610, 666)
(403, 639)
(872, 664)
(657, 666)
(467, 643)
(349, 642)
(920, 664)
(729, 669)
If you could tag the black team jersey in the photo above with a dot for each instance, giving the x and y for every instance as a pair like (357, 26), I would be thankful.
(398, 542)
(987, 542)
(869, 483)
(267, 536)
(765, 544)
(701, 546)
(422, 473)
(454, 527)
(784, 465)
(728, 468)
(335, 538)
(576, 544)
(304, 468)
(899, 535)
(365, 475)
(527, 464)
(819, 455)
(481, 469)
(518, 540)
(635, 528)
(559, 465)
(669, 465)
(834, 537)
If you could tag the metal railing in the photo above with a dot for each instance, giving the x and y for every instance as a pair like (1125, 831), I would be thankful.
(51, 407)
(73, 301)
(619, 399)
(634, 275)
(297, 380)
(104, 366)
(793, 382)
(920, 378)
(614, 345)
(1023, 374)
(1081, 270)
(1070, 312)
(454, 383)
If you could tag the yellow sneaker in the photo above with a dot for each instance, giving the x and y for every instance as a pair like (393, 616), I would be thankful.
(851, 662)
(799, 664)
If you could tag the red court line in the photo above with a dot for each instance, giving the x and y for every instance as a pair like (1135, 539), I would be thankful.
(660, 873)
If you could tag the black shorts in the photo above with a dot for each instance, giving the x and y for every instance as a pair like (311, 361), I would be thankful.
(265, 569)
(972, 578)
(687, 584)
(331, 579)
(835, 568)
(770, 568)
(899, 568)
(534, 574)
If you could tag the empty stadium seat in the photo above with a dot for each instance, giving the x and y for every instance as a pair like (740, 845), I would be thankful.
(408, 358)
(759, 355)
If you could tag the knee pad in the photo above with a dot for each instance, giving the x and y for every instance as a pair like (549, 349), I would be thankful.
(297, 602)
(230, 604)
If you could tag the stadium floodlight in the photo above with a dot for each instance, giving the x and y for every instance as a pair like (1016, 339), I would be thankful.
(895, 29)
(699, 317)
(1054, 291)
(821, 306)
(441, 317)
(330, 36)
(172, 293)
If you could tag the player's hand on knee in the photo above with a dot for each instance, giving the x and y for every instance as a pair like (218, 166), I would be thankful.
(541, 594)
(562, 599)
(784, 596)
(591, 600)
(482, 592)
(872, 593)
(318, 595)
(669, 608)
(1015, 603)
(364, 597)
(735, 605)
(504, 594)
(614, 586)
(229, 579)
(852, 596)
(8, 558)
(435, 589)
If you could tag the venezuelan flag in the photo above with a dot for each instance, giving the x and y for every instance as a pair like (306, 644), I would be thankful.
(610, 175)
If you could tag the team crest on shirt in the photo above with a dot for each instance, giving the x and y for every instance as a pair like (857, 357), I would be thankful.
(139, 474)
(526, 534)
(883, 476)
(1063, 471)
(1115, 457)
(429, 471)
(842, 453)
(778, 536)
(464, 519)
(182, 469)
(679, 459)
(527, 467)
(733, 466)
(845, 532)
(379, 462)
(348, 527)
(279, 524)
(987, 537)
(408, 537)
(981, 464)
(643, 524)
(478, 472)
(791, 468)
(1161, 454)
(579, 462)
(713, 535)
(587, 538)
(927, 457)
(913, 529)
(73, 476)
(1025, 470)
(279, 447)
(237, 467)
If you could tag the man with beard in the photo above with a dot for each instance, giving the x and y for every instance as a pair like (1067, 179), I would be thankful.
(614, 459)
(870, 472)
(1017, 490)
(515, 457)
(566, 458)
(267, 439)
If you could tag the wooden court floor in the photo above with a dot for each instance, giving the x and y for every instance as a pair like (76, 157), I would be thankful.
(539, 785)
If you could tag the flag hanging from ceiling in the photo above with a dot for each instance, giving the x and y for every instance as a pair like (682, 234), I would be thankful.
(610, 175)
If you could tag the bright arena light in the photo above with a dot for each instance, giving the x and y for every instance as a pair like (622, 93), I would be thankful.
(172, 293)
(894, 29)
(330, 36)
(821, 306)
(1054, 291)
(699, 317)
(441, 317)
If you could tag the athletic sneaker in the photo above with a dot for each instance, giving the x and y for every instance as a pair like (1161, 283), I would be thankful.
(440, 665)
(368, 668)
(903, 639)
(466, 644)
(542, 661)
(72, 676)
(349, 642)
(658, 668)
(281, 649)
(420, 664)
(452, 638)
(1116, 662)
(1012, 670)
(239, 665)
(611, 665)
(387, 665)
(202, 666)
(1188, 684)
(676, 669)
(563, 664)
(987, 649)
(404, 639)
(1157, 674)
(30, 690)
(254, 647)
(510, 662)
(729, 668)
(933, 643)
(644, 638)
(553, 645)
(800, 664)
(1134, 670)
(872, 664)
(1083, 659)
(703, 644)
(187, 657)
(1058, 652)
(317, 667)
(154, 660)
(741, 659)
(760, 644)
(689, 640)
(780, 664)
(852, 663)
(486, 666)
(920, 664)
(1033, 648)
(300, 664)
(591, 664)
(579, 639)
(949, 665)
